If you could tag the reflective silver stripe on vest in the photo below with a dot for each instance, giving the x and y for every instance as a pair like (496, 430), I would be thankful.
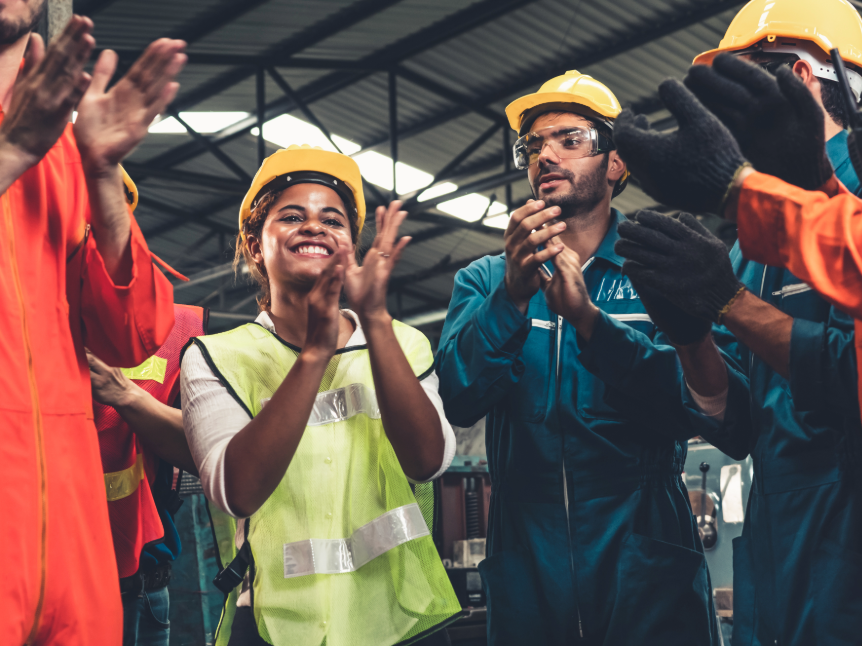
(341, 404)
(341, 555)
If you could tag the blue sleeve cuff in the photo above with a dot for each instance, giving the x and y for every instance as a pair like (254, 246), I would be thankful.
(501, 322)
(807, 351)
(610, 352)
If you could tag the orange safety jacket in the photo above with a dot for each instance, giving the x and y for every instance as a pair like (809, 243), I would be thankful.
(61, 586)
(130, 467)
(816, 235)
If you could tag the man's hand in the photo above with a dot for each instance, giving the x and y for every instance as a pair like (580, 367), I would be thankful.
(690, 168)
(566, 291)
(110, 386)
(111, 123)
(775, 119)
(528, 228)
(680, 260)
(47, 89)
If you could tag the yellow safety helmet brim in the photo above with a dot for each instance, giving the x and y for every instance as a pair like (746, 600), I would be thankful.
(826, 23)
(130, 189)
(306, 158)
(573, 92)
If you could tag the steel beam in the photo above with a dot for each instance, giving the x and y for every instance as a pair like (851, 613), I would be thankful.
(187, 178)
(454, 25)
(445, 267)
(91, 7)
(182, 217)
(308, 37)
(261, 114)
(217, 152)
(636, 37)
(393, 129)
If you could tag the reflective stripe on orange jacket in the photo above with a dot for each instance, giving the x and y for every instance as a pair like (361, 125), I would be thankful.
(55, 298)
(815, 236)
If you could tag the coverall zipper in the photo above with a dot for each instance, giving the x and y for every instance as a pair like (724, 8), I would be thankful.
(559, 344)
(37, 420)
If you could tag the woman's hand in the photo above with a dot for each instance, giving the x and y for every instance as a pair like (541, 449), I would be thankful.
(366, 286)
(324, 316)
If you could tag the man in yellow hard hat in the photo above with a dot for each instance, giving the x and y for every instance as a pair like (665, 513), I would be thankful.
(796, 565)
(591, 537)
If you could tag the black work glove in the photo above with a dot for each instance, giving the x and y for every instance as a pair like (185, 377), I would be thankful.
(775, 119)
(690, 168)
(680, 327)
(681, 260)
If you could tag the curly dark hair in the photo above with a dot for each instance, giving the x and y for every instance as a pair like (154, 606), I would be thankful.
(254, 226)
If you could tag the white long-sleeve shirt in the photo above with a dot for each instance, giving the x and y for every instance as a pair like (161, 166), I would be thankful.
(211, 416)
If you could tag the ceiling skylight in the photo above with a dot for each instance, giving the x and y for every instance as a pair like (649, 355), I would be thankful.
(377, 169)
(286, 130)
(203, 122)
(471, 207)
(437, 191)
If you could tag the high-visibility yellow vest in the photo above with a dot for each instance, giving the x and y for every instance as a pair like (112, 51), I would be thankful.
(342, 554)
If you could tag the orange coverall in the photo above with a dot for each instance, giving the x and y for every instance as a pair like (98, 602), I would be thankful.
(815, 236)
(60, 583)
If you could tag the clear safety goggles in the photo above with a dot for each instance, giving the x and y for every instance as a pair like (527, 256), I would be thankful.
(567, 143)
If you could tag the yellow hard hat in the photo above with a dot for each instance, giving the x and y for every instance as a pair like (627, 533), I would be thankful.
(130, 189)
(306, 164)
(571, 92)
(804, 27)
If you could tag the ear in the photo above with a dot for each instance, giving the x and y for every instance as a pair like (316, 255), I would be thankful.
(254, 248)
(616, 167)
(804, 71)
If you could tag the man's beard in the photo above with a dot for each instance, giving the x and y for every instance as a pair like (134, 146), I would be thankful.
(585, 193)
(11, 31)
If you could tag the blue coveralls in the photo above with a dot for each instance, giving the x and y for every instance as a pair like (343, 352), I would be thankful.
(797, 568)
(638, 563)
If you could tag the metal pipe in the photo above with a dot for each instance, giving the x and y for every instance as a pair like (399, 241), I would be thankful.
(261, 115)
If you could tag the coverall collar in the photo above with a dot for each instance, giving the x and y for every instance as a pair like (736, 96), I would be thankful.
(606, 248)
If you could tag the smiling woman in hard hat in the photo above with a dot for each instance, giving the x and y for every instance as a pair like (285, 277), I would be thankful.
(591, 538)
(796, 567)
(310, 424)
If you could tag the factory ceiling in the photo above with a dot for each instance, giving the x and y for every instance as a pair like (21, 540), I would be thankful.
(421, 82)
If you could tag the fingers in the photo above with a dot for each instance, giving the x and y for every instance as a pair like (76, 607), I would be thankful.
(748, 75)
(399, 247)
(792, 87)
(634, 140)
(661, 223)
(388, 222)
(530, 208)
(159, 64)
(681, 102)
(642, 254)
(726, 98)
(103, 71)
(35, 53)
(694, 224)
(646, 236)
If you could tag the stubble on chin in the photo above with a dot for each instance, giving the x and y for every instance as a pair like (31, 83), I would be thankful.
(12, 30)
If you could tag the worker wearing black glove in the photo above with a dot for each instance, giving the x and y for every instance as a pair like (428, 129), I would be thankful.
(680, 327)
(682, 261)
(691, 168)
(775, 119)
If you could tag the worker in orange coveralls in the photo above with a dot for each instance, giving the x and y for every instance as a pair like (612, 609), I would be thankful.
(75, 269)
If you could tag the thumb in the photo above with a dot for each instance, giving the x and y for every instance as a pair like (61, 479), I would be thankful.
(681, 102)
(103, 71)
(34, 55)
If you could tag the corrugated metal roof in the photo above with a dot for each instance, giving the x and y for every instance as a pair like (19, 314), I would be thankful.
(510, 55)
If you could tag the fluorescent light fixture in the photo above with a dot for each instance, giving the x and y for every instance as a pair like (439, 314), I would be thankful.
(498, 221)
(437, 191)
(203, 122)
(471, 207)
(286, 130)
(377, 169)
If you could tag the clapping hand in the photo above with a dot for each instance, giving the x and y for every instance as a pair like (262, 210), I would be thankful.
(111, 123)
(365, 287)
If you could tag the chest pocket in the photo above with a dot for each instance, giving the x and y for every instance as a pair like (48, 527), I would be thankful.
(529, 401)
(593, 398)
(800, 301)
